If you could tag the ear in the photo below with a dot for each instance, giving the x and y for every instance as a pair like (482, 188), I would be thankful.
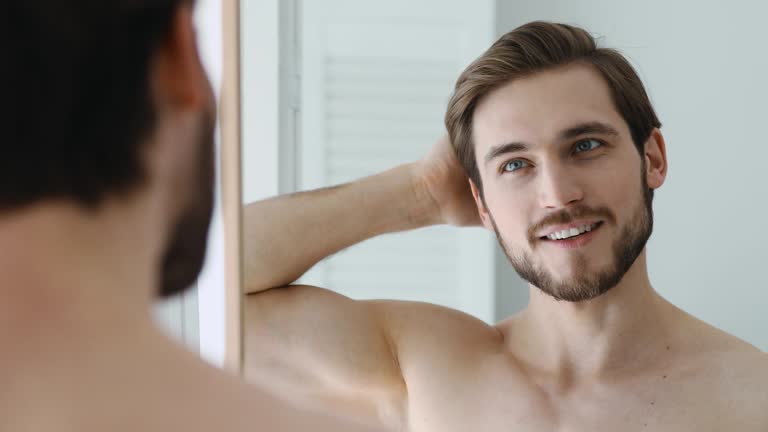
(482, 210)
(655, 159)
(179, 78)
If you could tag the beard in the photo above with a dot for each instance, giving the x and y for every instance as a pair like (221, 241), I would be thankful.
(631, 241)
(184, 255)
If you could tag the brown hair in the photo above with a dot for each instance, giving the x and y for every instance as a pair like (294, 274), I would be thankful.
(536, 47)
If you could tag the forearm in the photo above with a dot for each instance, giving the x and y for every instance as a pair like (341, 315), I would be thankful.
(287, 235)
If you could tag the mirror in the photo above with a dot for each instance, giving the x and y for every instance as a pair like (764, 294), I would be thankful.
(338, 91)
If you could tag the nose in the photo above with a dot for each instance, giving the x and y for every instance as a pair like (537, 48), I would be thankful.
(558, 188)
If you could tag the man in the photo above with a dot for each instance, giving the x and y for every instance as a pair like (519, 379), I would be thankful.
(106, 184)
(563, 151)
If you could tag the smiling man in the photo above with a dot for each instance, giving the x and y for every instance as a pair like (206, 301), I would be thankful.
(555, 148)
(580, 168)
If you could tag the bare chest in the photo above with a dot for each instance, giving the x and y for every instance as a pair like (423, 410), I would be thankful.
(497, 402)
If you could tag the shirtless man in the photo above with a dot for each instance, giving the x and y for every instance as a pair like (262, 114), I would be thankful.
(106, 188)
(563, 152)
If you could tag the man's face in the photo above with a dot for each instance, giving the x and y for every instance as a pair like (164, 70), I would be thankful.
(185, 251)
(564, 186)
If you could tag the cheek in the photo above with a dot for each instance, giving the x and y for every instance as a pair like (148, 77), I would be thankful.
(512, 213)
(617, 186)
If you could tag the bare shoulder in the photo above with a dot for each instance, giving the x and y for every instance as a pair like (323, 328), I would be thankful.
(410, 321)
(744, 380)
(751, 365)
(731, 355)
(425, 332)
(736, 373)
(748, 366)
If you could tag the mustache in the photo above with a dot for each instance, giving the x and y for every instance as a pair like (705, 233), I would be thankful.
(569, 215)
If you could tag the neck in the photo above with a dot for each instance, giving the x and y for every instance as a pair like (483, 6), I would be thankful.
(75, 324)
(620, 330)
(73, 275)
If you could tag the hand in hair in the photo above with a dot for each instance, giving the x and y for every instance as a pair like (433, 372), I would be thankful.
(441, 174)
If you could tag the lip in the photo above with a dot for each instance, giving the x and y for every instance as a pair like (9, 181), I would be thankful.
(575, 224)
(574, 242)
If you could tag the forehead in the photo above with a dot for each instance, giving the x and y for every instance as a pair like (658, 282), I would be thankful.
(535, 109)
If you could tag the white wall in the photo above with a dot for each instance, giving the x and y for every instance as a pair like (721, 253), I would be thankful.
(704, 64)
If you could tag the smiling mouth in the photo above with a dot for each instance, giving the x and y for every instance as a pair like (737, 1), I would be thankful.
(571, 233)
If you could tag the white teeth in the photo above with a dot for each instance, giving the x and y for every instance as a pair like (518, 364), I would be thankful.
(571, 232)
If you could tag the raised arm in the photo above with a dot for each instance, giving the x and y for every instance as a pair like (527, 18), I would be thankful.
(314, 346)
(287, 235)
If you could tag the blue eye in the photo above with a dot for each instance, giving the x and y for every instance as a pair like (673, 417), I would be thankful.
(514, 165)
(587, 145)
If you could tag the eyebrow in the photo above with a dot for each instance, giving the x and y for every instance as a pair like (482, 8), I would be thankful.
(593, 127)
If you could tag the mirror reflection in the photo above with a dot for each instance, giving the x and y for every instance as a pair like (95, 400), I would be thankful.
(468, 218)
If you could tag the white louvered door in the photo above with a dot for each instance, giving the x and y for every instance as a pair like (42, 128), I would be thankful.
(375, 78)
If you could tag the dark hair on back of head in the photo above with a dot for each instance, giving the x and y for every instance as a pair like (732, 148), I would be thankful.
(81, 108)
